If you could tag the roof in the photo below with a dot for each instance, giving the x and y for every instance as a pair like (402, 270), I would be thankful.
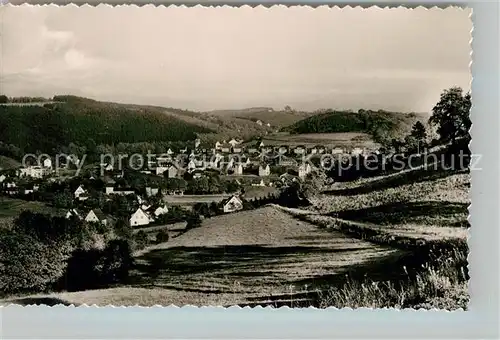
(100, 215)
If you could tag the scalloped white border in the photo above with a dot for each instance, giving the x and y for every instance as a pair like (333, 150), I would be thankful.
(237, 6)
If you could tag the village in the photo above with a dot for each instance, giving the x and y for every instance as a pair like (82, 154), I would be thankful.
(220, 175)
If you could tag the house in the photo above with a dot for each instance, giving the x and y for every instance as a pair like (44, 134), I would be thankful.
(109, 189)
(197, 174)
(172, 171)
(299, 150)
(2, 178)
(337, 151)
(123, 191)
(107, 166)
(264, 170)
(259, 122)
(72, 213)
(237, 169)
(234, 142)
(313, 150)
(170, 152)
(96, 216)
(47, 163)
(261, 144)
(356, 151)
(304, 170)
(253, 150)
(226, 148)
(321, 149)
(79, 191)
(185, 150)
(152, 191)
(197, 143)
(218, 145)
(160, 210)
(139, 217)
(232, 204)
(258, 183)
(283, 149)
(191, 165)
(237, 149)
(268, 125)
(32, 171)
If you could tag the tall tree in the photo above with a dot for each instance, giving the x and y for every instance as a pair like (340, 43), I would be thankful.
(451, 114)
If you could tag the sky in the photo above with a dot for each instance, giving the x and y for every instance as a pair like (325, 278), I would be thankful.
(203, 58)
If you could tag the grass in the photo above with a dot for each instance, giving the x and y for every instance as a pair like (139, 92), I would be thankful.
(341, 139)
(8, 163)
(12, 207)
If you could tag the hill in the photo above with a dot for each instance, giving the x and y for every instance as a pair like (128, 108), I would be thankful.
(381, 125)
(88, 122)
(277, 119)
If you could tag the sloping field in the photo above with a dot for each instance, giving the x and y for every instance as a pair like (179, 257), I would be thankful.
(340, 139)
(252, 255)
(193, 199)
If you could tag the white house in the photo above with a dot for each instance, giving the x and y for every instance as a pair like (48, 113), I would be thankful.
(337, 151)
(226, 148)
(283, 150)
(264, 170)
(152, 191)
(237, 149)
(313, 150)
(47, 163)
(79, 191)
(170, 152)
(304, 169)
(237, 170)
(109, 189)
(218, 145)
(2, 178)
(234, 142)
(357, 151)
(108, 167)
(299, 150)
(191, 165)
(161, 210)
(197, 143)
(140, 217)
(96, 216)
(32, 171)
(259, 184)
(259, 122)
(73, 213)
(232, 204)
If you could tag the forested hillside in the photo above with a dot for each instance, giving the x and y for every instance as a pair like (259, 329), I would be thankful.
(87, 122)
(380, 124)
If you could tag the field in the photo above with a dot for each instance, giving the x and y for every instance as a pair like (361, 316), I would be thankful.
(8, 163)
(251, 257)
(193, 199)
(341, 139)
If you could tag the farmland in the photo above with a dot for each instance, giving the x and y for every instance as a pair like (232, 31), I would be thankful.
(340, 139)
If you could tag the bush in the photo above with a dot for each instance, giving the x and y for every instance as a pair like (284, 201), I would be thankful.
(95, 268)
(28, 265)
(162, 236)
(141, 240)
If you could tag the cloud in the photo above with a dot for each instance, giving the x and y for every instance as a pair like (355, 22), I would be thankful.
(207, 58)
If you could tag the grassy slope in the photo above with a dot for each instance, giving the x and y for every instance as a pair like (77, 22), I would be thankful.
(250, 257)
(8, 163)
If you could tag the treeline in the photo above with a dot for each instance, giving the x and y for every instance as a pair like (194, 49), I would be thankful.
(87, 123)
(375, 123)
